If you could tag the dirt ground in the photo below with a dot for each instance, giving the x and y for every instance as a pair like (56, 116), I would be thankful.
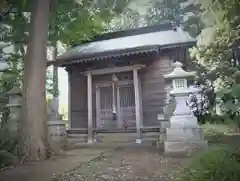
(57, 165)
(127, 164)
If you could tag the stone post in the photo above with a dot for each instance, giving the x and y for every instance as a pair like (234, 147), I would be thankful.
(56, 126)
(14, 105)
(184, 134)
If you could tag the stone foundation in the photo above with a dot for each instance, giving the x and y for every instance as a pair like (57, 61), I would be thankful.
(57, 132)
(184, 140)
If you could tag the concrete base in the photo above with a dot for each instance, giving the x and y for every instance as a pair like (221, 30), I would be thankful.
(165, 124)
(139, 141)
(184, 134)
(184, 121)
(184, 140)
(90, 141)
(183, 147)
(57, 132)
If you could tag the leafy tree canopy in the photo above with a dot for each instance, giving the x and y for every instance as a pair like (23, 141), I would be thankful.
(71, 21)
(218, 53)
(161, 11)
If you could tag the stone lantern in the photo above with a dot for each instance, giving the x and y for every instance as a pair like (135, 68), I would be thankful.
(184, 134)
(14, 104)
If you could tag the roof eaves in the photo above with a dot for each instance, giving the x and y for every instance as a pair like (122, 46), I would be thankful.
(180, 44)
(119, 53)
(107, 55)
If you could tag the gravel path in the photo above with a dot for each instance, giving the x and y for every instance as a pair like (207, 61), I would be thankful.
(127, 164)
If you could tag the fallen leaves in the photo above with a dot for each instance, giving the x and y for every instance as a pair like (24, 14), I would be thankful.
(126, 165)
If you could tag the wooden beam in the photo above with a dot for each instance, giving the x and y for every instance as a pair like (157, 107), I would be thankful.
(137, 105)
(90, 113)
(114, 70)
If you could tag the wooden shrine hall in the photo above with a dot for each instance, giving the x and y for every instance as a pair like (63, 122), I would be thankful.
(116, 80)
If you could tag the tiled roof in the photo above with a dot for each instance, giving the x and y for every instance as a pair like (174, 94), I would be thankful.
(128, 42)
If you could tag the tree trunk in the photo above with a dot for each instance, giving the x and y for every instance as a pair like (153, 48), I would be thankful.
(33, 127)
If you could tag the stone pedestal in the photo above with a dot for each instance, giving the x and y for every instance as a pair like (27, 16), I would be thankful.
(13, 122)
(184, 139)
(14, 105)
(184, 133)
(57, 132)
(56, 126)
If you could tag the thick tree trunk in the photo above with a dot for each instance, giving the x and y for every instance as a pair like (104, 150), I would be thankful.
(33, 127)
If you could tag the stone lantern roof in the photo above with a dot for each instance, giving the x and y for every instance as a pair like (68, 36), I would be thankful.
(15, 91)
(178, 72)
(179, 79)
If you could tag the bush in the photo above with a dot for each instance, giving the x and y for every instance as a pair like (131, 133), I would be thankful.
(219, 164)
(8, 148)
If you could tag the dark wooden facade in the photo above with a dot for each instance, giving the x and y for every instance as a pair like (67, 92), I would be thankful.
(152, 88)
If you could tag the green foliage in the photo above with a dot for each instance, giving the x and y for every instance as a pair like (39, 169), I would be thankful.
(75, 22)
(8, 148)
(231, 102)
(177, 11)
(218, 164)
(10, 78)
(129, 19)
(71, 22)
(217, 55)
(51, 84)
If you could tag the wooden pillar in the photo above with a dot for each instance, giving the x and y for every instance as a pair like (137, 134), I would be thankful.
(119, 116)
(98, 107)
(69, 99)
(140, 98)
(90, 113)
(137, 105)
(114, 110)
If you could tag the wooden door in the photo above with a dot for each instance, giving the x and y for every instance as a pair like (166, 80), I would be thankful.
(105, 112)
(126, 105)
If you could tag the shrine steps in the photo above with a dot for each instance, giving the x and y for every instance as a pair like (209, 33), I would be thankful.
(150, 136)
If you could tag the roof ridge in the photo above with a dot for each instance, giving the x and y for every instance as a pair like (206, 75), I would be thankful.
(131, 32)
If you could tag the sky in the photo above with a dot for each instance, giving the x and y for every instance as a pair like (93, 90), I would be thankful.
(62, 79)
(63, 87)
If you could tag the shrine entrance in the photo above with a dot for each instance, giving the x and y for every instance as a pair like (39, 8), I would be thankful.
(117, 100)
(115, 105)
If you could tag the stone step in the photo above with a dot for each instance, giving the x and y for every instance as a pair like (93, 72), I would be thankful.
(114, 137)
(184, 134)
(145, 129)
(77, 138)
(178, 147)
